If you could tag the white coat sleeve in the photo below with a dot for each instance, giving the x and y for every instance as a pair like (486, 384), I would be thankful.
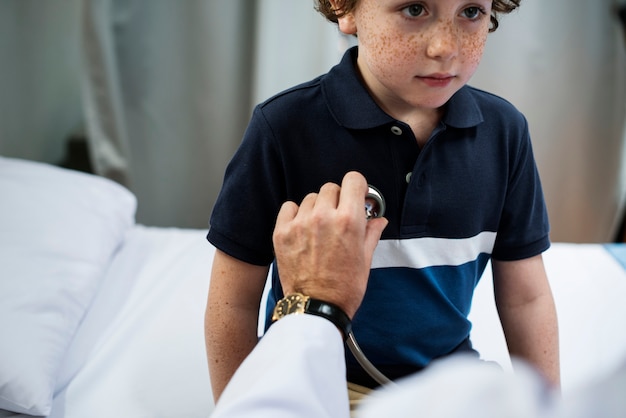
(297, 369)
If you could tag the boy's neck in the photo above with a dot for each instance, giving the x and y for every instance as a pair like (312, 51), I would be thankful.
(422, 123)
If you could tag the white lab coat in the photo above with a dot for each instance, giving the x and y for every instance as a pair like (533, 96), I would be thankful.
(298, 370)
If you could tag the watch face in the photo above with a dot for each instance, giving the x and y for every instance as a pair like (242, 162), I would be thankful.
(294, 303)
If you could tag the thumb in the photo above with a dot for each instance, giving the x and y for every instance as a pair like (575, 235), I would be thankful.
(373, 232)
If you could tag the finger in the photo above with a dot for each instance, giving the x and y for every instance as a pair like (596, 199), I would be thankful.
(353, 192)
(373, 232)
(286, 215)
(308, 203)
(328, 197)
(287, 212)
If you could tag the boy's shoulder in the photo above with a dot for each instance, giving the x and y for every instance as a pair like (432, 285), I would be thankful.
(293, 94)
(491, 102)
(471, 107)
(302, 105)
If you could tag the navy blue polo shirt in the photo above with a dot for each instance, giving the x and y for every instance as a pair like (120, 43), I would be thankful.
(472, 192)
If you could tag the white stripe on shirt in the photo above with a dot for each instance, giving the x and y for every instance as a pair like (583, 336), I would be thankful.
(427, 252)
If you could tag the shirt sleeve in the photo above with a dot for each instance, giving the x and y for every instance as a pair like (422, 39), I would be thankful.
(244, 214)
(296, 370)
(524, 227)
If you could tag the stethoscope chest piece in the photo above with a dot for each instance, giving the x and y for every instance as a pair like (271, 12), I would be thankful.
(374, 203)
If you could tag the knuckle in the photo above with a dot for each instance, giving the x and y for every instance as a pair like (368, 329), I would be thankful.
(318, 218)
(330, 187)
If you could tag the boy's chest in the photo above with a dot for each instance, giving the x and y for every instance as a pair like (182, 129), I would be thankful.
(449, 187)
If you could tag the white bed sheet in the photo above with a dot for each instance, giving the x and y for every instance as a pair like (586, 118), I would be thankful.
(142, 343)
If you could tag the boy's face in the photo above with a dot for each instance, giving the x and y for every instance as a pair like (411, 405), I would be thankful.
(417, 55)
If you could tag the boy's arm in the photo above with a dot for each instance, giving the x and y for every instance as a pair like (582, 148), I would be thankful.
(231, 316)
(527, 313)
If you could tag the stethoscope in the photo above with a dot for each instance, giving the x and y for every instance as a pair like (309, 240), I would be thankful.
(374, 208)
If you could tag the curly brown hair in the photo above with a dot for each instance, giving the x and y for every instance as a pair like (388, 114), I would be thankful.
(346, 6)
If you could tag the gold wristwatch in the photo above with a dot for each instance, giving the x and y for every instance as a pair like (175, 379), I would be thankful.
(297, 303)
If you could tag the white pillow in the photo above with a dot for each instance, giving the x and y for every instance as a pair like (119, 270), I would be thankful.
(59, 230)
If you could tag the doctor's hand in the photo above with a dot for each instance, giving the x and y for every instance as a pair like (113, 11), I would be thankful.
(324, 247)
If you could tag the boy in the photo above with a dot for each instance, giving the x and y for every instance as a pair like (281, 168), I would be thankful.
(454, 164)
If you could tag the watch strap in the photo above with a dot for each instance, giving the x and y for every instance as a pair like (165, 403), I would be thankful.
(331, 312)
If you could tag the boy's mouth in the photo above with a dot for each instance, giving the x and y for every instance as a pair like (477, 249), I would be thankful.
(436, 80)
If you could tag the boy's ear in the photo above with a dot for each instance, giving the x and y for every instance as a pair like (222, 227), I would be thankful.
(346, 22)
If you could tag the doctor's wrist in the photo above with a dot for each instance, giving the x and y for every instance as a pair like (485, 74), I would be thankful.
(298, 303)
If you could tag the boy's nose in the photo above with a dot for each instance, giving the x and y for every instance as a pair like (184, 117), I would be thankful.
(443, 42)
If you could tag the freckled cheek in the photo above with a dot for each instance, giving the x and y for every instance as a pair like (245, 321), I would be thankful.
(473, 47)
(392, 53)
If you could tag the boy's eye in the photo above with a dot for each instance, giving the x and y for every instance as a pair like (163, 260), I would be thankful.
(414, 10)
(473, 12)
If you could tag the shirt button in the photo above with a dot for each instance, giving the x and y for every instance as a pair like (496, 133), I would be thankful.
(408, 177)
(396, 130)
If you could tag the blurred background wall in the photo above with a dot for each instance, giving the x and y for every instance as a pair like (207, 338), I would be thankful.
(161, 92)
(563, 64)
(40, 98)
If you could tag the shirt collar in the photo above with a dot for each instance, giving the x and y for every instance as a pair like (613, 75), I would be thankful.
(462, 110)
(354, 108)
(348, 100)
